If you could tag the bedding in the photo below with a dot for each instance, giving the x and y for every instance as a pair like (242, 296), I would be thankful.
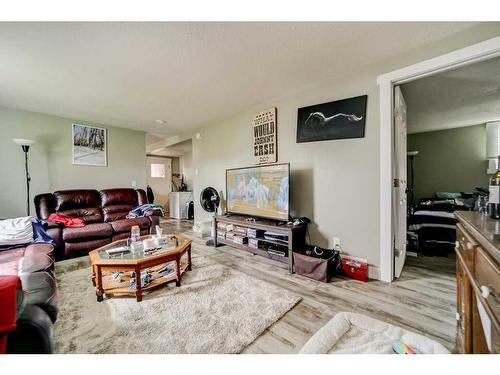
(432, 232)
(351, 333)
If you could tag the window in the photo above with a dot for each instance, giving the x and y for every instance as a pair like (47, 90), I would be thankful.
(157, 170)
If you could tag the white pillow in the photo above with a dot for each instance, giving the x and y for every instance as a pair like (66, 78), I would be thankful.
(16, 231)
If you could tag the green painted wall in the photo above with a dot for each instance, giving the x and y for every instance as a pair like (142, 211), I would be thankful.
(51, 161)
(450, 160)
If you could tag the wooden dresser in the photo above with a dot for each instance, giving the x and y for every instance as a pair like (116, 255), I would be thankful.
(478, 283)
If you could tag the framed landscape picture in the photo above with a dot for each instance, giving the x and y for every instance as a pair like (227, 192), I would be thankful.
(340, 119)
(89, 145)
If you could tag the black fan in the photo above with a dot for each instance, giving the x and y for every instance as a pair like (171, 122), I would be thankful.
(210, 200)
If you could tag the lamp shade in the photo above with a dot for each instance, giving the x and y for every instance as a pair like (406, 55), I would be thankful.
(23, 142)
(492, 140)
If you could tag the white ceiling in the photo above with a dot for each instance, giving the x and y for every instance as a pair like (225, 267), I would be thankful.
(176, 150)
(462, 97)
(188, 74)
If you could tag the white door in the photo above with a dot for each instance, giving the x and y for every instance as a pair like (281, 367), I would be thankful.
(159, 178)
(399, 173)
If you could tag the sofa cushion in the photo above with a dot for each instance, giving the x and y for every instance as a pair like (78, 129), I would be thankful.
(9, 261)
(84, 204)
(82, 247)
(42, 291)
(90, 231)
(121, 226)
(39, 248)
(36, 262)
(117, 203)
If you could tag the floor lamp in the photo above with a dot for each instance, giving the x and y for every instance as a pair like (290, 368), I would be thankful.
(411, 155)
(25, 145)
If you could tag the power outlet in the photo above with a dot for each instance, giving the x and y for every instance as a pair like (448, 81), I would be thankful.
(336, 243)
(134, 183)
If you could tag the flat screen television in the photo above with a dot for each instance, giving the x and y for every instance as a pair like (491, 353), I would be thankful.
(261, 191)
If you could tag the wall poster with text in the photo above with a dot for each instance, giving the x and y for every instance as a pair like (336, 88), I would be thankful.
(265, 134)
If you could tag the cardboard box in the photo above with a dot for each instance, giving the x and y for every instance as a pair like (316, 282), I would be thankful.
(254, 233)
(240, 230)
(240, 239)
(253, 242)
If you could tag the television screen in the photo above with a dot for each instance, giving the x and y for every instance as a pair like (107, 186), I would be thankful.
(261, 191)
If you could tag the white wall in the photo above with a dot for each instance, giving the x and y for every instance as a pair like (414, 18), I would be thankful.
(334, 183)
(186, 167)
(161, 186)
(50, 159)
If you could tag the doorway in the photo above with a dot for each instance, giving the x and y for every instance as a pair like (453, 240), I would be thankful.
(442, 138)
(465, 56)
(159, 178)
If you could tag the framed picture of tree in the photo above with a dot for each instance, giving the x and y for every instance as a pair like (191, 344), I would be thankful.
(89, 145)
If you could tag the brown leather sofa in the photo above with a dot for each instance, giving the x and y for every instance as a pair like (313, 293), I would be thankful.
(103, 211)
(37, 310)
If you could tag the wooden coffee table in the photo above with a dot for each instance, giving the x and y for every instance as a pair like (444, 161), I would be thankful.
(176, 250)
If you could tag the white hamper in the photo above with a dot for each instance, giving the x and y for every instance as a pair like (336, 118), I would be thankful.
(177, 204)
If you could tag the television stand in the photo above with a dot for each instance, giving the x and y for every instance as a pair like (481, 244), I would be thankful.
(290, 237)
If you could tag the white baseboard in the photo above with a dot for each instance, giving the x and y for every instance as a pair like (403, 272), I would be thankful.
(374, 272)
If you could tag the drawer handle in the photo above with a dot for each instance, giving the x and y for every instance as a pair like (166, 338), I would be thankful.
(487, 291)
(457, 244)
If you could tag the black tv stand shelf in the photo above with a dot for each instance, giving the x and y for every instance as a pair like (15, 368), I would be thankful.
(296, 237)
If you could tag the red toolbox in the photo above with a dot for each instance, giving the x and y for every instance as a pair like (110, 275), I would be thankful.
(355, 268)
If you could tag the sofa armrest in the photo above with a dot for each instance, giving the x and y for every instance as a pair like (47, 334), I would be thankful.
(55, 233)
(47, 224)
(45, 205)
(33, 334)
(153, 212)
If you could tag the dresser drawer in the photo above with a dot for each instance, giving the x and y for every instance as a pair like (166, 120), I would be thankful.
(487, 275)
(465, 244)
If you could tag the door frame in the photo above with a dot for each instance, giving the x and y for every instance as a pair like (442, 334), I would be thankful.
(469, 55)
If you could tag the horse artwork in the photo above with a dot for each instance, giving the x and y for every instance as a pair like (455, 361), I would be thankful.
(340, 119)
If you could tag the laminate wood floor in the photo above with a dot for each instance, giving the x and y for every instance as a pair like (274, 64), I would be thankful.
(422, 300)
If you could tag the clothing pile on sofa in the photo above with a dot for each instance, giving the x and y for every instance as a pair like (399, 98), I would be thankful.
(67, 221)
(21, 231)
(144, 210)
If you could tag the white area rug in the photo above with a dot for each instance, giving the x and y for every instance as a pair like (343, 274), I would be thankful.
(351, 333)
(216, 310)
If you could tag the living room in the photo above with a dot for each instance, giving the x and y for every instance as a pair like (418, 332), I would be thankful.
(284, 136)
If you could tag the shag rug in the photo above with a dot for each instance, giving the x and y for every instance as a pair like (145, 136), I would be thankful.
(216, 310)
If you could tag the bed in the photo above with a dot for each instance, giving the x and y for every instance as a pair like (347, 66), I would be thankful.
(432, 232)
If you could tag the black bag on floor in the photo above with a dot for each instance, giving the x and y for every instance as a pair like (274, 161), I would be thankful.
(317, 263)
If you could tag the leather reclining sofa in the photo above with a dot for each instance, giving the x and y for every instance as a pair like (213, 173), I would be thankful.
(37, 311)
(104, 213)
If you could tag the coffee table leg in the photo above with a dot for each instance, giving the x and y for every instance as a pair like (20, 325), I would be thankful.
(99, 290)
(93, 276)
(189, 259)
(178, 270)
(138, 287)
